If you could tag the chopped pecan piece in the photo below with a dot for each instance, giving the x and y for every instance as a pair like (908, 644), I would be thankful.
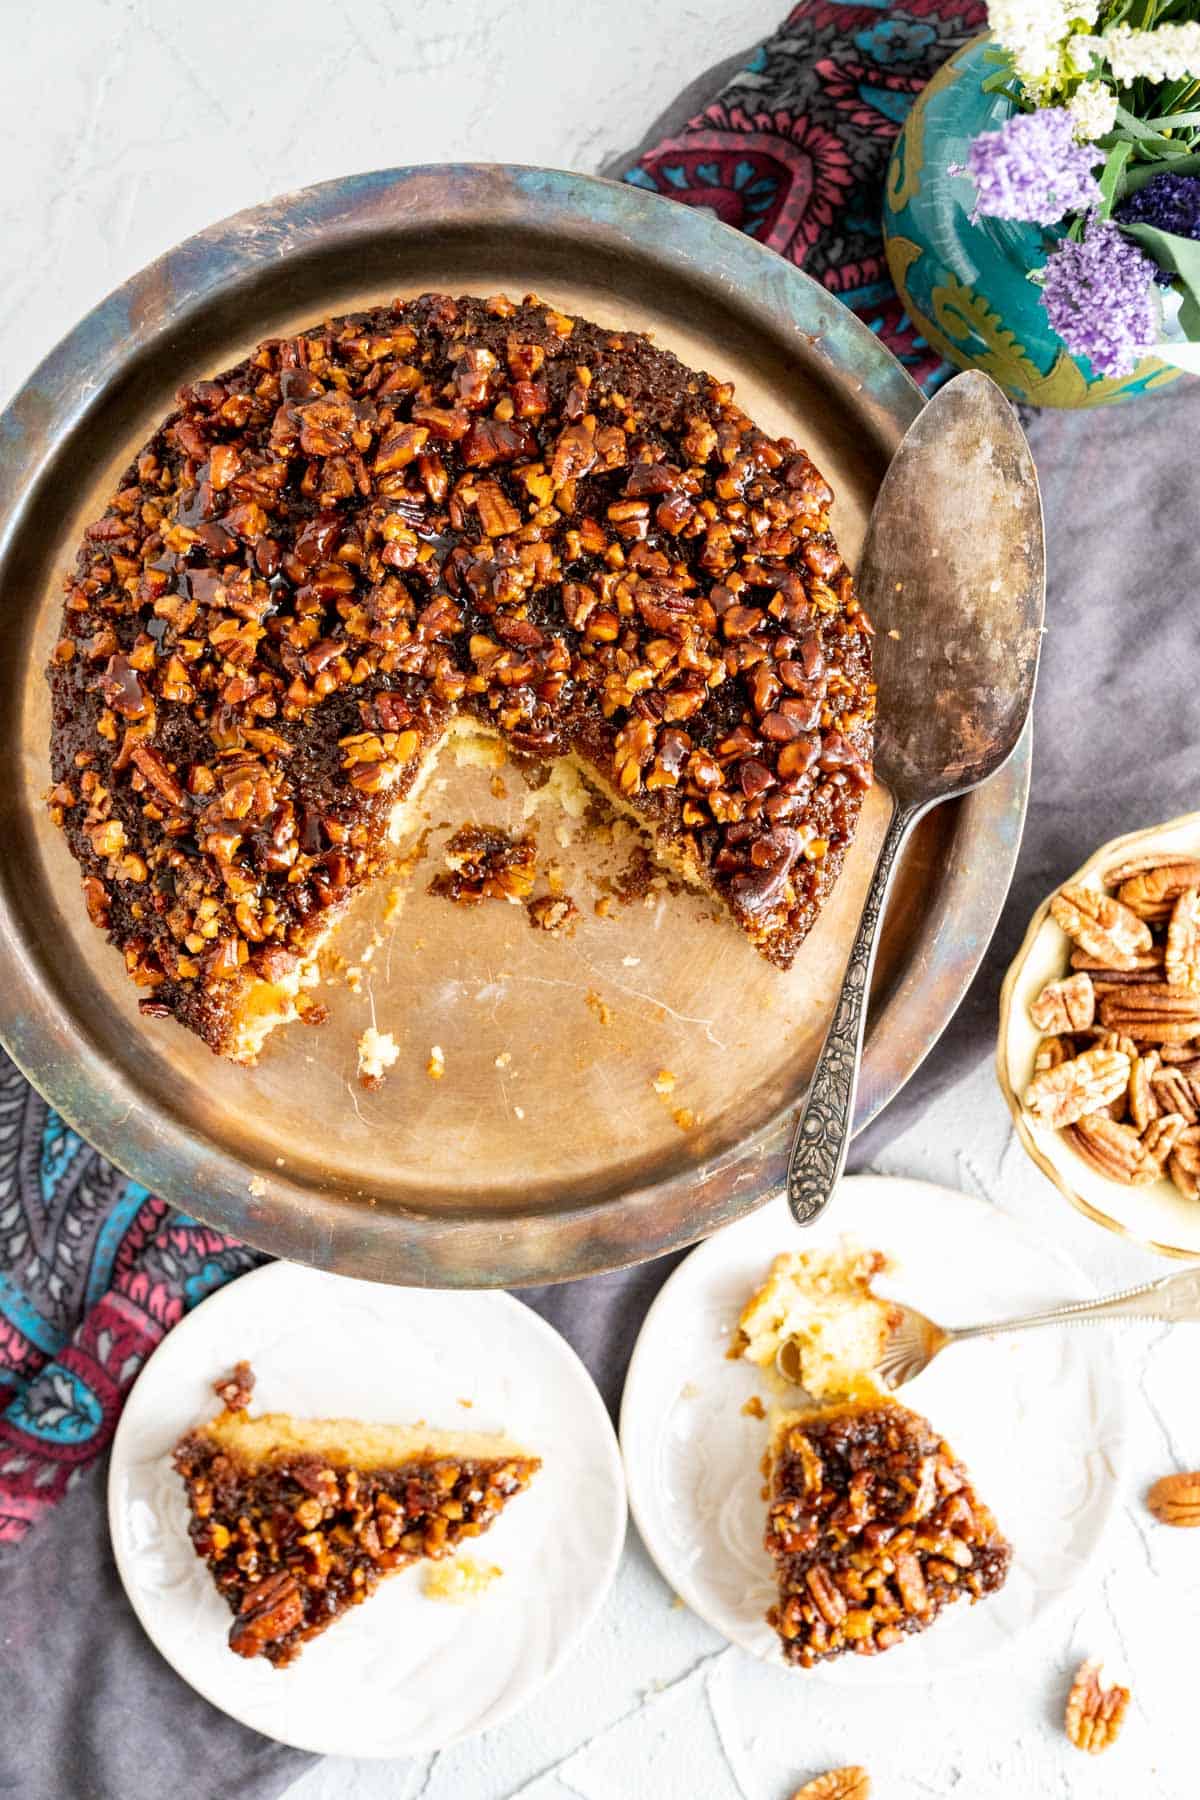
(555, 913)
(485, 863)
(234, 1390)
(1095, 1714)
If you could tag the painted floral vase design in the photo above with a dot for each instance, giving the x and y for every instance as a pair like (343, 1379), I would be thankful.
(966, 285)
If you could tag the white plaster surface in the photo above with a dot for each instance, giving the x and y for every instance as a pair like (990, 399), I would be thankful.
(124, 126)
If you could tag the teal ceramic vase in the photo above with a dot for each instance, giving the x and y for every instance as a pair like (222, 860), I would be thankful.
(966, 285)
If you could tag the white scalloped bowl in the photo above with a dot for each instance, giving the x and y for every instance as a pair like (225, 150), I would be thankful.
(1157, 1217)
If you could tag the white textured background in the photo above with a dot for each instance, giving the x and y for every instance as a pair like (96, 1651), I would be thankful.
(124, 126)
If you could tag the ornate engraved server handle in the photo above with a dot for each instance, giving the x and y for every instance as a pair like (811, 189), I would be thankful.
(823, 1133)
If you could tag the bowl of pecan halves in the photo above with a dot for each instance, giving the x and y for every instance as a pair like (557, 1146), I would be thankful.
(1099, 1050)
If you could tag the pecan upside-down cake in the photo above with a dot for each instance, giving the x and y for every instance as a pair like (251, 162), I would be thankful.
(444, 512)
(298, 1520)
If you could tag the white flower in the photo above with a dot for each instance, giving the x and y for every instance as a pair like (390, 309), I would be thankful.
(1034, 32)
(1093, 109)
(1168, 53)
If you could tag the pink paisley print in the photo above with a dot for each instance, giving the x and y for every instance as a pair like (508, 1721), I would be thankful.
(794, 150)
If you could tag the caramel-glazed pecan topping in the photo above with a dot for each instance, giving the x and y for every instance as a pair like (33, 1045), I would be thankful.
(874, 1527)
(445, 505)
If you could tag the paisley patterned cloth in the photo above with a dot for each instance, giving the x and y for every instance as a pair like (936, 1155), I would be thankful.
(794, 149)
(93, 1272)
(93, 1269)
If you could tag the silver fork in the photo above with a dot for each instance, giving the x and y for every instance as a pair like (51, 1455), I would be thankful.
(916, 1340)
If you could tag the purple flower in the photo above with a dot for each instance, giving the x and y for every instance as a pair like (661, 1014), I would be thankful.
(1170, 202)
(1098, 297)
(1032, 169)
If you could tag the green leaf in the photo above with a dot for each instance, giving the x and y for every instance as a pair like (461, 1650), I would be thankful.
(1138, 176)
(1182, 257)
(1175, 121)
(1110, 176)
(1140, 133)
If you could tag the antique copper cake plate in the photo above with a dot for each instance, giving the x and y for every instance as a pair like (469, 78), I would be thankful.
(553, 1145)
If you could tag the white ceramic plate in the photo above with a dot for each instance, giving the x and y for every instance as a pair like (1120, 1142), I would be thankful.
(1158, 1216)
(1037, 1417)
(402, 1673)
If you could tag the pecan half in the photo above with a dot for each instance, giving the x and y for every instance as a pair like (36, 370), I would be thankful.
(850, 1783)
(1174, 1093)
(1101, 925)
(1066, 1005)
(1157, 1014)
(1183, 942)
(1161, 1137)
(1152, 892)
(269, 1612)
(1115, 1149)
(1143, 1105)
(1059, 1096)
(1185, 1178)
(1094, 1713)
(1175, 1499)
(1052, 1051)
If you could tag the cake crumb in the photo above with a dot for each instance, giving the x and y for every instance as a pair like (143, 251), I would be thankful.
(354, 979)
(630, 962)
(467, 1403)
(556, 915)
(664, 1083)
(603, 907)
(459, 1579)
(395, 901)
(754, 1408)
(685, 1118)
(377, 1051)
(503, 1060)
(435, 1068)
(497, 788)
(519, 1111)
(595, 1004)
(257, 1185)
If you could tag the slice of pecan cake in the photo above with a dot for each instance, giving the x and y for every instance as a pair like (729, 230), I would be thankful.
(437, 513)
(874, 1528)
(299, 1520)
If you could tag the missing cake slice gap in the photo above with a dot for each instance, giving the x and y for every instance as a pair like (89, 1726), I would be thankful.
(298, 1520)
